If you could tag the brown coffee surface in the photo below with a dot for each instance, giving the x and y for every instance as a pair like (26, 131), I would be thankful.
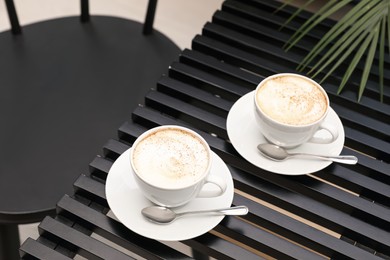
(171, 158)
(291, 100)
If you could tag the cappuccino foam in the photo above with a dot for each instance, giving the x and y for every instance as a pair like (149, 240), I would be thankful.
(291, 100)
(171, 158)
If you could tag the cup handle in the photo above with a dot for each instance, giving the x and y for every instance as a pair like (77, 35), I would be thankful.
(217, 191)
(332, 130)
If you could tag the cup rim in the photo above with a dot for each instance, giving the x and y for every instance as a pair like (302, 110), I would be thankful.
(295, 75)
(158, 128)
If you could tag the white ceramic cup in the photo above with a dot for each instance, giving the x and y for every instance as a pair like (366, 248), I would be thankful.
(171, 166)
(290, 110)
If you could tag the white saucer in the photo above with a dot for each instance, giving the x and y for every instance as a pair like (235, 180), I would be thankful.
(126, 202)
(244, 134)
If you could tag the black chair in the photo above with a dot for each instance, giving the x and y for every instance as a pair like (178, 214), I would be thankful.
(85, 16)
(60, 81)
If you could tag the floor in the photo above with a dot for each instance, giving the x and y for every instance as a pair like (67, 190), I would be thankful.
(180, 20)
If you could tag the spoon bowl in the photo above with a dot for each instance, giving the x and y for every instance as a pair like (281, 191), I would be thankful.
(163, 215)
(277, 153)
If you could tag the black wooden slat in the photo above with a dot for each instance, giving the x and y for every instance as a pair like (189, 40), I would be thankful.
(265, 25)
(151, 118)
(352, 118)
(86, 186)
(264, 241)
(211, 245)
(214, 84)
(33, 249)
(126, 125)
(116, 232)
(99, 167)
(270, 7)
(300, 232)
(254, 45)
(256, 64)
(211, 64)
(201, 118)
(344, 201)
(117, 147)
(367, 143)
(307, 207)
(358, 183)
(368, 166)
(88, 247)
(190, 94)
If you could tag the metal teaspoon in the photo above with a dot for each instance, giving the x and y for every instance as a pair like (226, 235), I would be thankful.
(276, 153)
(163, 215)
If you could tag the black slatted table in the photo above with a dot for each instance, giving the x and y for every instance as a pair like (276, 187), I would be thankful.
(339, 212)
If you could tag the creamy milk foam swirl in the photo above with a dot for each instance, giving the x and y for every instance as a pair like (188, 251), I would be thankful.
(291, 100)
(171, 158)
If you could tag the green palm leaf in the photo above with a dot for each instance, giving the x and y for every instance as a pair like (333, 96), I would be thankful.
(340, 60)
(382, 55)
(388, 25)
(360, 33)
(343, 43)
(349, 21)
(369, 60)
(330, 8)
(303, 7)
(355, 60)
(347, 43)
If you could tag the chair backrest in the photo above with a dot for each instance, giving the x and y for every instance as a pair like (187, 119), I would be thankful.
(84, 16)
(13, 17)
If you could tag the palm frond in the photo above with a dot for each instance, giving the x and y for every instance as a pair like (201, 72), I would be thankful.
(382, 55)
(330, 8)
(369, 59)
(342, 58)
(347, 42)
(355, 61)
(360, 33)
(340, 30)
(343, 43)
(297, 12)
(388, 26)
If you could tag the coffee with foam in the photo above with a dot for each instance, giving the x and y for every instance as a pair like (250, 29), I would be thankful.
(171, 158)
(291, 100)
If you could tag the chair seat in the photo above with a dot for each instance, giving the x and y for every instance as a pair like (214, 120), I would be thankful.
(65, 87)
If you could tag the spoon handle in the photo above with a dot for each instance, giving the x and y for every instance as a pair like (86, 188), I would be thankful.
(346, 159)
(236, 211)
